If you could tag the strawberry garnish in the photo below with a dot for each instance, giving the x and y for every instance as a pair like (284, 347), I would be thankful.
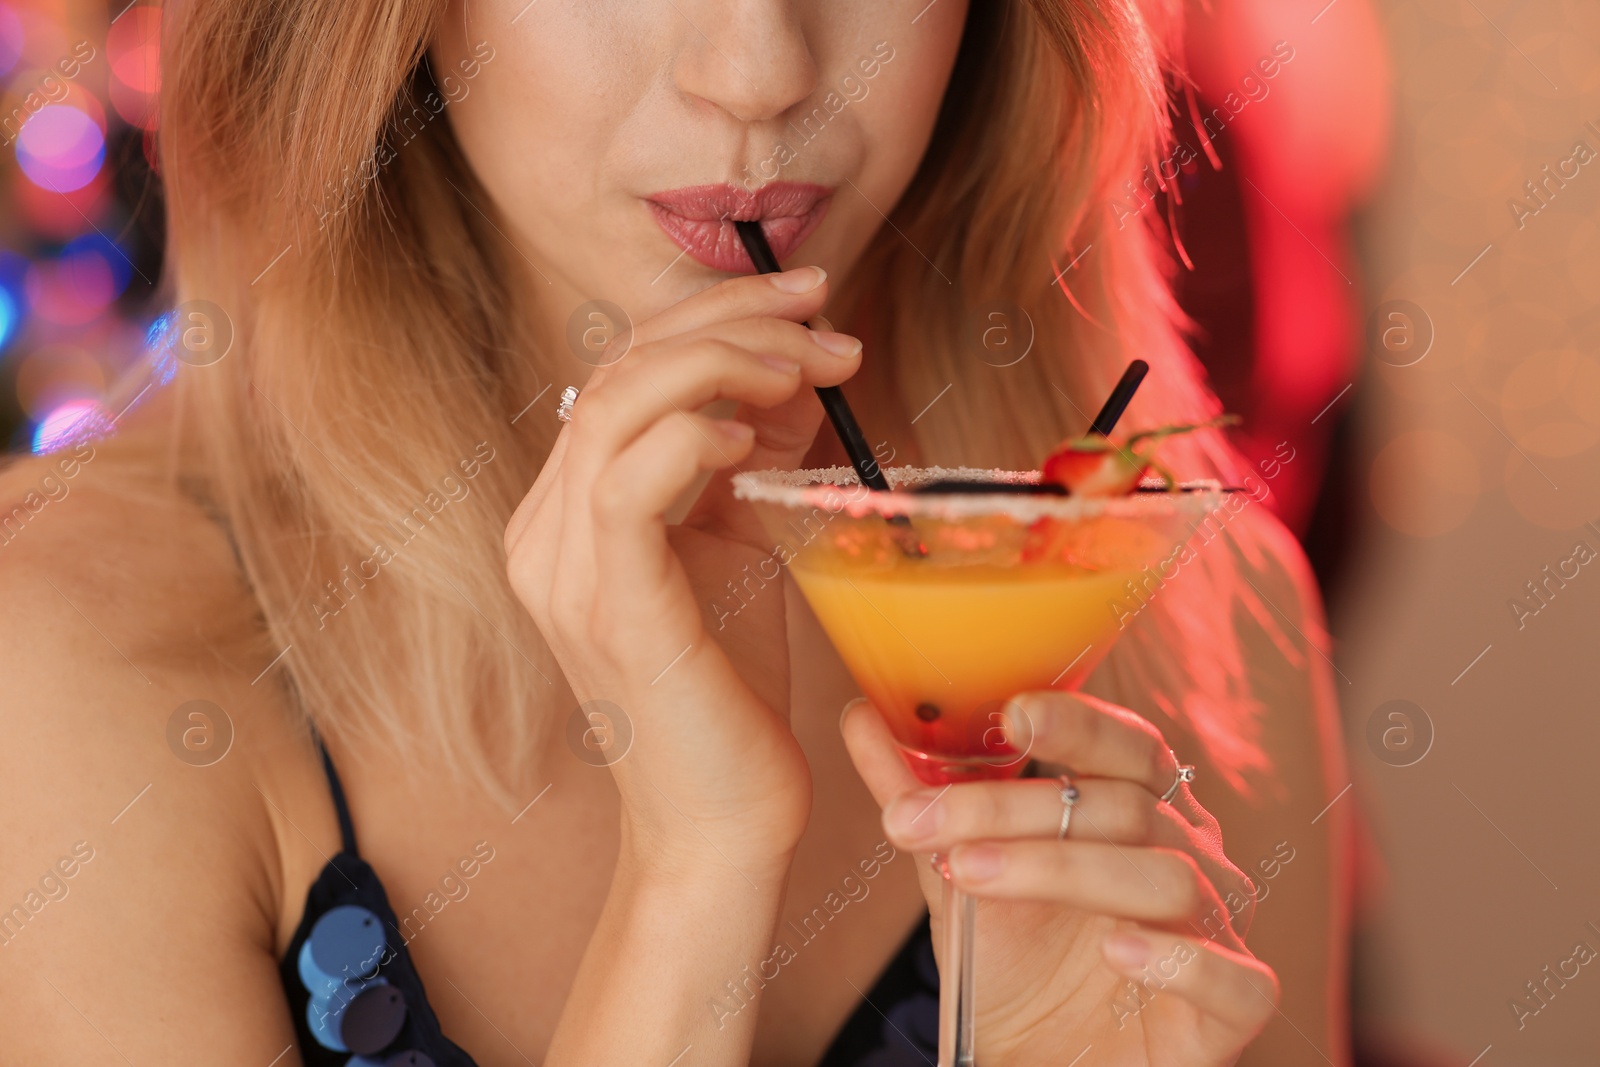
(1094, 466)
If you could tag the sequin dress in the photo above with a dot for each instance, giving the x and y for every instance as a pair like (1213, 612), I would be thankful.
(358, 1000)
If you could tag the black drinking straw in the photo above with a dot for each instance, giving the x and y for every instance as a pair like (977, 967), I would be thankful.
(832, 397)
(1117, 402)
(833, 401)
(1103, 424)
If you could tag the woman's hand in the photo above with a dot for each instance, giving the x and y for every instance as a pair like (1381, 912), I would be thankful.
(1127, 936)
(713, 774)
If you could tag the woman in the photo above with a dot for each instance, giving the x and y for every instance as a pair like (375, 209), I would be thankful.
(328, 536)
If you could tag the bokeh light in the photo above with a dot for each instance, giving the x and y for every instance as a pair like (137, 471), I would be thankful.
(98, 244)
(75, 94)
(77, 286)
(1425, 483)
(13, 305)
(133, 48)
(158, 344)
(61, 148)
(1551, 403)
(58, 216)
(69, 423)
(1553, 492)
(10, 318)
(11, 39)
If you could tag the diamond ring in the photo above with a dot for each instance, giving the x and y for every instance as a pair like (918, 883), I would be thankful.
(1184, 776)
(1069, 800)
(564, 409)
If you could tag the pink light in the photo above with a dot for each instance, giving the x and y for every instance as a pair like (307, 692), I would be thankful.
(58, 215)
(72, 290)
(134, 48)
(72, 421)
(11, 39)
(61, 148)
(85, 101)
(137, 109)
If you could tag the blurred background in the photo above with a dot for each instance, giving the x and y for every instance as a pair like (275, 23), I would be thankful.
(80, 233)
(1390, 208)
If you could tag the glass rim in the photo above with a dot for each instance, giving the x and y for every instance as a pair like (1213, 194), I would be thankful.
(838, 489)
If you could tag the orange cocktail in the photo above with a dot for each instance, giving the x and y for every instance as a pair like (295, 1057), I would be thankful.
(1006, 592)
(937, 649)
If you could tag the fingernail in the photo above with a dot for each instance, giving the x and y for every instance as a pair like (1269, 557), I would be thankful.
(840, 344)
(914, 817)
(1020, 728)
(778, 363)
(737, 430)
(1127, 952)
(799, 280)
(844, 712)
(978, 863)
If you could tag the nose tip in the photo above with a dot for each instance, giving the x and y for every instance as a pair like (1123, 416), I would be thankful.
(754, 65)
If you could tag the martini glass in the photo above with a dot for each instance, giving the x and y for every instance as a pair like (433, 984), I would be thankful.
(1015, 590)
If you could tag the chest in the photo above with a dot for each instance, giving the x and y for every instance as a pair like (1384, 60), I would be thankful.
(497, 911)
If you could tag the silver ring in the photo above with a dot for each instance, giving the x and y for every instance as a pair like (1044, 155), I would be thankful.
(1184, 776)
(1069, 800)
(564, 409)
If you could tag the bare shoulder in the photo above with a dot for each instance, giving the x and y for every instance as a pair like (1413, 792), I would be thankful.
(112, 576)
(142, 861)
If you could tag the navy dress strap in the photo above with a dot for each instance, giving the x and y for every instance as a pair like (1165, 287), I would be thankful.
(353, 991)
(341, 807)
(358, 1001)
(351, 985)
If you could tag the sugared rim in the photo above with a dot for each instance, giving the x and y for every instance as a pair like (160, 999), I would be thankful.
(838, 489)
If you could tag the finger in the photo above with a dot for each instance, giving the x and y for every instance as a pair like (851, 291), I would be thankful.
(784, 433)
(1235, 990)
(1096, 738)
(762, 362)
(618, 532)
(647, 476)
(873, 750)
(795, 295)
(1107, 810)
(878, 760)
(543, 489)
(783, 436)
(1148, 884)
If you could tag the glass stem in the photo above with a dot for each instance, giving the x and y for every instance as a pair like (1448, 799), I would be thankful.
(955, 981)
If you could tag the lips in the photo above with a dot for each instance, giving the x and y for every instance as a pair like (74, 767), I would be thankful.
(700, 219)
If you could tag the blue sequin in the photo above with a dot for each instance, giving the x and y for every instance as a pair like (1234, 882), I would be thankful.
(361, 1016)
(346, 943)
(351, 1008)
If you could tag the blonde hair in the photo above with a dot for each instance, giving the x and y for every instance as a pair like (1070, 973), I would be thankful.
(374, 351)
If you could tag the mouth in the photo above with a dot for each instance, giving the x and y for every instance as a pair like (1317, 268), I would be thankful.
(699, 219)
